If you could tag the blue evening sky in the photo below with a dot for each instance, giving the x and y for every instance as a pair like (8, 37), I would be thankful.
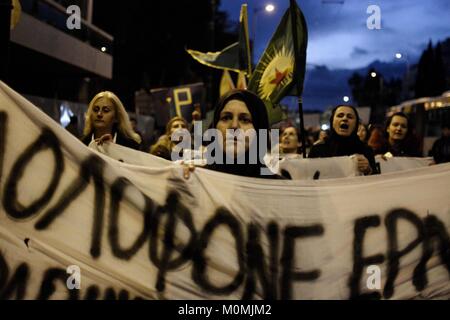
(338, 35)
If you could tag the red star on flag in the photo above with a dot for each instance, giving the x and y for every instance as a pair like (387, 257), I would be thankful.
(279, 76)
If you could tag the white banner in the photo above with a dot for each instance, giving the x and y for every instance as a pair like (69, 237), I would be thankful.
(319, 168)
(340, 167)
(394, 164)
(75, 223)
(296, 168)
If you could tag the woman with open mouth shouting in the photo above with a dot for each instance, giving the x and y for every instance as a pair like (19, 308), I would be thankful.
(344, 140)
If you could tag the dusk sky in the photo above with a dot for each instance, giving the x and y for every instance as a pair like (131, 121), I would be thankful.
(338, 35)
(340, 40)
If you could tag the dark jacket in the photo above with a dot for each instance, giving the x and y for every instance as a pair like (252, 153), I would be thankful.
(248, 170)
(405, 149)
(441, 150)
(339, 146)
(400, 149)
(329, 149)
(120, 139)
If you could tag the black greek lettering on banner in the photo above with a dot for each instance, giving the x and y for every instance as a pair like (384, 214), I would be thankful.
(199, 275)
(291, 233)
(175, 211)
(394, 254)
(117, 193)
(93, 168)
(47, 140)
(3, 131)
(359, 260)
(18, 282)
(256, 265)
(48, 287)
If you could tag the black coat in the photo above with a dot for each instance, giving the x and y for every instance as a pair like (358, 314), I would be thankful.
(405, 149)
(441, 150)
(244, 170)
(120, 139)
(338, 147)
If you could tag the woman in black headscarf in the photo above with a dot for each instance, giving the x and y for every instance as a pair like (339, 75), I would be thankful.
(344, 140)
(243, 110)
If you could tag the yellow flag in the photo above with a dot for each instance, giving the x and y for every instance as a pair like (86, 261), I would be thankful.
(15, 13)
(226, 83)
(242, 81)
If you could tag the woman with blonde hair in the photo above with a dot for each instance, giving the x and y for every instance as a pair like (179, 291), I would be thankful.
(107, 120)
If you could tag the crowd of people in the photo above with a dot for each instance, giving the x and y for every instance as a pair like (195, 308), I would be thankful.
(107, 121)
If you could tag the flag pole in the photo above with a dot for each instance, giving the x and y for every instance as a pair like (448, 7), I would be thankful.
(244, 21)
(296, 73)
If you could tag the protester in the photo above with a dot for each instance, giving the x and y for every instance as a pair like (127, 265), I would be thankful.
(311, 134)
(401, 142)
(289, 141)
(323, 136)
(377, 139)
(344, 141)
(107, 121)
(441, 147)
(362, 133)
(72, 127)
(241, 109)
(134, 125)
(163, 147)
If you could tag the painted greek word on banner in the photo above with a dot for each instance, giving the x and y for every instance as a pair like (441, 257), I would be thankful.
(137, 229)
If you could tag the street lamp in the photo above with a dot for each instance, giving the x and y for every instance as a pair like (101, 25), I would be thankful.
(373, 74)
(406, 83)
(346, 99)
(269, 8)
